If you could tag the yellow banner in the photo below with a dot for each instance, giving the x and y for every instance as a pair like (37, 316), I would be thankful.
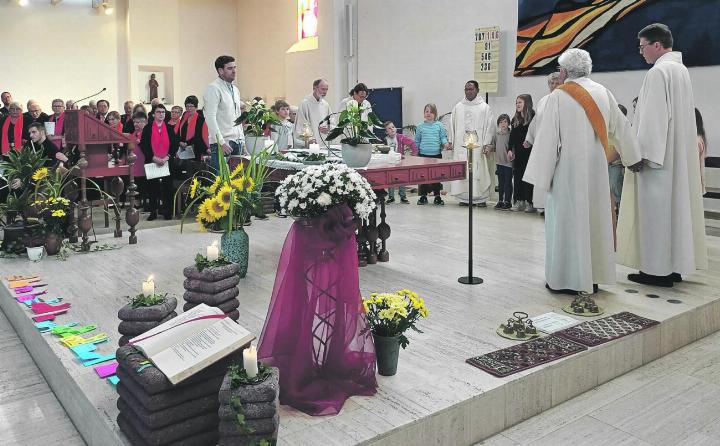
(487, 58)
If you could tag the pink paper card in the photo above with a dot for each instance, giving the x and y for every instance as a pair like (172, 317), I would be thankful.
(44, 317)
(42, 307)
(25, 297)
(106, 370)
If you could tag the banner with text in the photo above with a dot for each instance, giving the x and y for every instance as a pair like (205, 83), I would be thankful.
(487, 58)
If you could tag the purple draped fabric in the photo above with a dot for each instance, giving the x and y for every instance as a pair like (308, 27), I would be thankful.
(316, 331)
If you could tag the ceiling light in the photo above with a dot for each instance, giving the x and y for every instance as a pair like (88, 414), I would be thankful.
(23, 2)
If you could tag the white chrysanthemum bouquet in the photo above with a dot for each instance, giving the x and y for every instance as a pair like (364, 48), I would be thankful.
(312, 191)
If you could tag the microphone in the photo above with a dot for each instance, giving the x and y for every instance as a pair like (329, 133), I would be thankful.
(91, 96)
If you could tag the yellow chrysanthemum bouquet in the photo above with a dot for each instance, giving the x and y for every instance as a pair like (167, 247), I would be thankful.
(391, 314)
(227, 199)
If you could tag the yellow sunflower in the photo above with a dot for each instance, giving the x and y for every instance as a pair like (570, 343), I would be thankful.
(58, 213)
(199, 220)
(204, 211)
(194, 187)
(40, 174)
(238, 169)
(224, 196)
(217, 209)
(249, 184)
(212, 189)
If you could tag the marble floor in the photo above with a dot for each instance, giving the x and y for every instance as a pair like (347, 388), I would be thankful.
(427, 254)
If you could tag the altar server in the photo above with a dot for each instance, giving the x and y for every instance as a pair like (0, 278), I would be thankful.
(661, 230)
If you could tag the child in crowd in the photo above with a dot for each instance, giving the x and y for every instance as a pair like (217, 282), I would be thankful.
(398, 143)
(431, 138)
(282, 133)
(503, 161)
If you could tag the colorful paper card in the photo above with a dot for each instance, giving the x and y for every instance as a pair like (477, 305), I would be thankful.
(48, 326)
(106, 370)
(43, 308)
(75, 340)
(68, 330)
(28, 288)
(30, 296)
(114, 380)
(45, 317)
(15, 278)
(88, 356)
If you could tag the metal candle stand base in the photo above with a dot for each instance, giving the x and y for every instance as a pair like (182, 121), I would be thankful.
(518, 328)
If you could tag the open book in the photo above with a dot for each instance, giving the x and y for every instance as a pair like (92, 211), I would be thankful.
(192, 341)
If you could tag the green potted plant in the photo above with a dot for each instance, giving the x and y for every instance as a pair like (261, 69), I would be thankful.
(255, 120)
(227, 200)
(17, 213)
(356, 124)
(389, 315)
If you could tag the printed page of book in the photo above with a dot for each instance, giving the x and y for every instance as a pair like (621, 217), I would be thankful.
(201, 349)
(168, 333)
(552, 322)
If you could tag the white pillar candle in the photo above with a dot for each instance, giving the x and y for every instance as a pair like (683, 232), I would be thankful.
(148, 287)
(250, 361)
(314, 149)
(212, 252)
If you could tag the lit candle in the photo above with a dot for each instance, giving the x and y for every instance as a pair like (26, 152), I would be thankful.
(212, 252)
(307, 132)
(470, 139)
(148, 287)
(250, 361)
(314, 149)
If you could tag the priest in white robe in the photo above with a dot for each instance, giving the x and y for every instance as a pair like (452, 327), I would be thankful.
(569, 163)
(312, 112)
(661, 231)
(553, 81)
(472, 114)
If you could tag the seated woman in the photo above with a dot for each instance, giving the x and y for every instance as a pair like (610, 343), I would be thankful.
(191, 134)
(159, 144)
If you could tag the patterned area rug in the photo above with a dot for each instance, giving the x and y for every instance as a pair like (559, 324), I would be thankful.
(599, 331)
(525, 356)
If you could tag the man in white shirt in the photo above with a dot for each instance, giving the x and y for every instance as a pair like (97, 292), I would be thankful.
(222, 108)
(312, 112)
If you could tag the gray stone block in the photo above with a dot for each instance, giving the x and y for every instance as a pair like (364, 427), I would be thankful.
(226, 306)
(165, 400)
(234, 315)
(211, 274)
(247, 440)
(174, 432)
(209, 437)
(211, 287)
(263, 426)
(264, 392)
(252, 411)
(211, 298)
(154, 313)
(124, 340)
(134, 328)
(171, 415)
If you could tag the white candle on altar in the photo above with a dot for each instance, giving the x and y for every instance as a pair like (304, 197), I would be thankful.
(314, 149)
(212, 252)
(250, 361)
(148, 287)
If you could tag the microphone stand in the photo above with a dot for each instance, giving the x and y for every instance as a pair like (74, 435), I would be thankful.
(91, 96)
(327, 146)
(470, 279)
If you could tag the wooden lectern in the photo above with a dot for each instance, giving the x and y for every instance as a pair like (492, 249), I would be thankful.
(94, 139)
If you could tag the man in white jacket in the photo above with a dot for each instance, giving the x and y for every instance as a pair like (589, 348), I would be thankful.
(222, 108)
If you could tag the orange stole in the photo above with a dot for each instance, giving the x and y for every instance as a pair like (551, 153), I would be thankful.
(581, 95)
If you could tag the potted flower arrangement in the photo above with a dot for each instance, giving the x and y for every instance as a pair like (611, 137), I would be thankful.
(255, 120)
(389, 316)
(53, 212)
(226, 201)
(312, 191)
(16, 213)
(356, 124)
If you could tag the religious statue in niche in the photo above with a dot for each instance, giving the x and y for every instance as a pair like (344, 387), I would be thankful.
(153, 84)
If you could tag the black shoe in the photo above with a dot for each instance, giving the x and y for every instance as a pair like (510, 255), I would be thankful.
(404, 200)
(167, 216)
(261, 217)
(499, 205)
(563, 291)
(507, 206)
(152, 216)
(649, 279)
(595, 288)
(464, 204)
(439, 201)
(422, 200)
(390, 200)
(480, 205)
(676, 277)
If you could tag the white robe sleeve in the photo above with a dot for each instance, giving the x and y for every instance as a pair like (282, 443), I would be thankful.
(451, 130)
(489, 127)
(621, 136)
(653, 117)
(540, 169)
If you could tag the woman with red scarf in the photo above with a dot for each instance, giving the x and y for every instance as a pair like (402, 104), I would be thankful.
(13, 131)
(191, 130)
(159, 144)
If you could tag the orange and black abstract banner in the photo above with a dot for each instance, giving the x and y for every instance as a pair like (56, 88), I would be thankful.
(608, 30)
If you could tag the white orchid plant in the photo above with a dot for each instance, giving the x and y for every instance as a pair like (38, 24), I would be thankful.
(355, 123)
(315, 189)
